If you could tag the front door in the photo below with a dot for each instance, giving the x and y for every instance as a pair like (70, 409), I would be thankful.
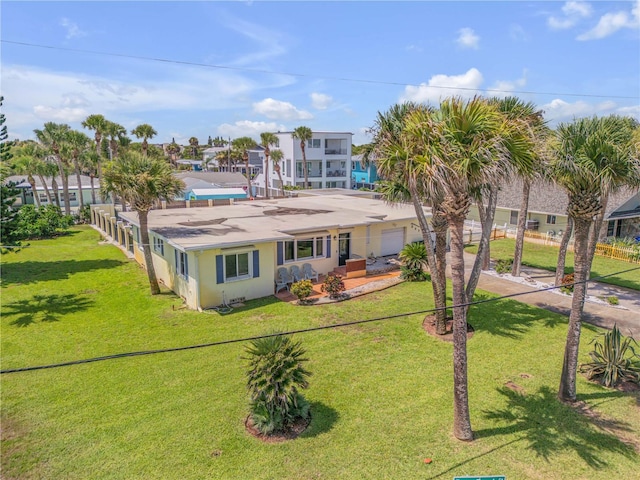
(344, 248)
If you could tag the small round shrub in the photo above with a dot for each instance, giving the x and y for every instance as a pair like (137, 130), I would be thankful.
(333, 285)
(504, 265)
(613, 300)
(302, 289)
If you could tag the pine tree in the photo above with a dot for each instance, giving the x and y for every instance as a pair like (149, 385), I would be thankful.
(8, 194)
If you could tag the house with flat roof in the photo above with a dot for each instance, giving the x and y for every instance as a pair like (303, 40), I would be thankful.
(89, 189)
(232, 253)
(363, 174)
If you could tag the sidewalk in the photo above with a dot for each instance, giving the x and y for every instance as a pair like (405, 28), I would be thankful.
(626, 315)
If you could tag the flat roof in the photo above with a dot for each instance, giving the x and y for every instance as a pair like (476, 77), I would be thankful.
(260, 221)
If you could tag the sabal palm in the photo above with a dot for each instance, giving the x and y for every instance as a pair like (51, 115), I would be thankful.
(267, 140)
(78, 143)
(142, 181)
(98, 124)
(304, 134)
(591, 157)
(470, 146)
(53, 136)
(401, 156)
(276, 158)
(29, 160)
(144, 131)
(115, 132)
(193, 142)
(242, 145)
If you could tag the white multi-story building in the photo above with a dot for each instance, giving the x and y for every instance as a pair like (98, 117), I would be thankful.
(328, 161)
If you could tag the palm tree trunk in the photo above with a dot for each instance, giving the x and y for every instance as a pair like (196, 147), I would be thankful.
(148, 259)
(80, 198)
(36, 197)
(483, 254)
(439, 290)
(594, 234)
(46, 189)
(65, 185)
(280, 178)
(567, 391)
(266, 175)
(246, 166)
(461, 417)
(304, 166)
(56, 194)
(522, 221)
(93, 189)
(562, 253)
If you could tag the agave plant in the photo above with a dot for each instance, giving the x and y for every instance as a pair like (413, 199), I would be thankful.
(275, 376)
(414, 260)
(614, 360)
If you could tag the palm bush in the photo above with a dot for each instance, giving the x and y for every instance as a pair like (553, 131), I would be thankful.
(275, 376)
(414, 261)
(614, 360)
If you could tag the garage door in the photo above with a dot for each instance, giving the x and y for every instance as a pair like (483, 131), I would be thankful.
(392, 241)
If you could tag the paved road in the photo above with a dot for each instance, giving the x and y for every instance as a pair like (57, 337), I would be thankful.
(627, 317)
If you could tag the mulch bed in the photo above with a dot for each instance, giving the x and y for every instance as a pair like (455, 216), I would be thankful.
(292, 432)
(429, 325)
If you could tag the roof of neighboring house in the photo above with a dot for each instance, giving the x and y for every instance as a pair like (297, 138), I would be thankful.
(186, 161)
(262, 221)
(321, 192)
(549, 198)
(221, 179)
(318, 132)
(217, 193)
(22, 182)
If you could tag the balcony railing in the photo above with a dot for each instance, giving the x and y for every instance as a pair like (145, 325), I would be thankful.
(336, 173)
(335, 151)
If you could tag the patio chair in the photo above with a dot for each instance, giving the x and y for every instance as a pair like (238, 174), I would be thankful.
(296, 274)
(309, 273)
(283, 279)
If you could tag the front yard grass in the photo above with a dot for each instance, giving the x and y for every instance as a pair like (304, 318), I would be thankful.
(546, 258)
(381, 393)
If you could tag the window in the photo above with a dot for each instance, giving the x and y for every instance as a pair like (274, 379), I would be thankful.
(236, 266)
(43, 198)
(138, 241)
(551, 219)
(182, 266)
(303, 249)
(313, 143)
(158, 245)
(611, 228)
(513, 219)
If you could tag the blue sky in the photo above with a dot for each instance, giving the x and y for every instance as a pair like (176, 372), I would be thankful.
(296, 63)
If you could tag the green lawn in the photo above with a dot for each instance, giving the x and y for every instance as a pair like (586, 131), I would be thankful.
(381, 393)
(546, 257)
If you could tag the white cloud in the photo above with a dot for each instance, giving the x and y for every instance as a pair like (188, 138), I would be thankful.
(467, 38)
(573, 13)
(611, 22)
(436, 88)
(277, 109)
(73, 30)
(321, 101)
(413, 48)
(64, 114)
(518, 33)
(248, 128)
(559, 110)
(631, 111)
(506, 87)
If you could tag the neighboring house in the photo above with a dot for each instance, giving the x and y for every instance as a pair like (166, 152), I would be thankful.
(215, 194)
(328, 159)
(256, 160)
(232, 253)
(195, 165)
(548, 208)
(624, 221)
(26, 196)
(363, 174)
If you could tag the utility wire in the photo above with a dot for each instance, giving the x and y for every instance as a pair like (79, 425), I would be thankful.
(293, 332)
(304, 75)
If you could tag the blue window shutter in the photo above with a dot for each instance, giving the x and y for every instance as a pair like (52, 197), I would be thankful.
(219, 269)
(280, 252)
(328, 246)
(186, 264)
(256, 263)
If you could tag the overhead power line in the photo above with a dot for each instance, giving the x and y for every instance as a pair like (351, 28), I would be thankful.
(293, 332)
(319, 77)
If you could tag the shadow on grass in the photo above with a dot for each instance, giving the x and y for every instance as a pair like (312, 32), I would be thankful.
(44, 308)
(549, 426)
(24, 273)
(323, 418)
(508, 318)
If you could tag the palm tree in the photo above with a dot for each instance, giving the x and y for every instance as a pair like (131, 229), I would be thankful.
(78, 143)
(267, 140)
(29, 161)
(219, 142)
(90, 162)
(52, 136)
(470, 142)
(304, 134)
(242, 145)
(173, 149)
(142, 181)
(144, 131)
(115, 132)
(276, 158)
(401, 147)
(591, 157)
(193, 141)
(98, 124)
